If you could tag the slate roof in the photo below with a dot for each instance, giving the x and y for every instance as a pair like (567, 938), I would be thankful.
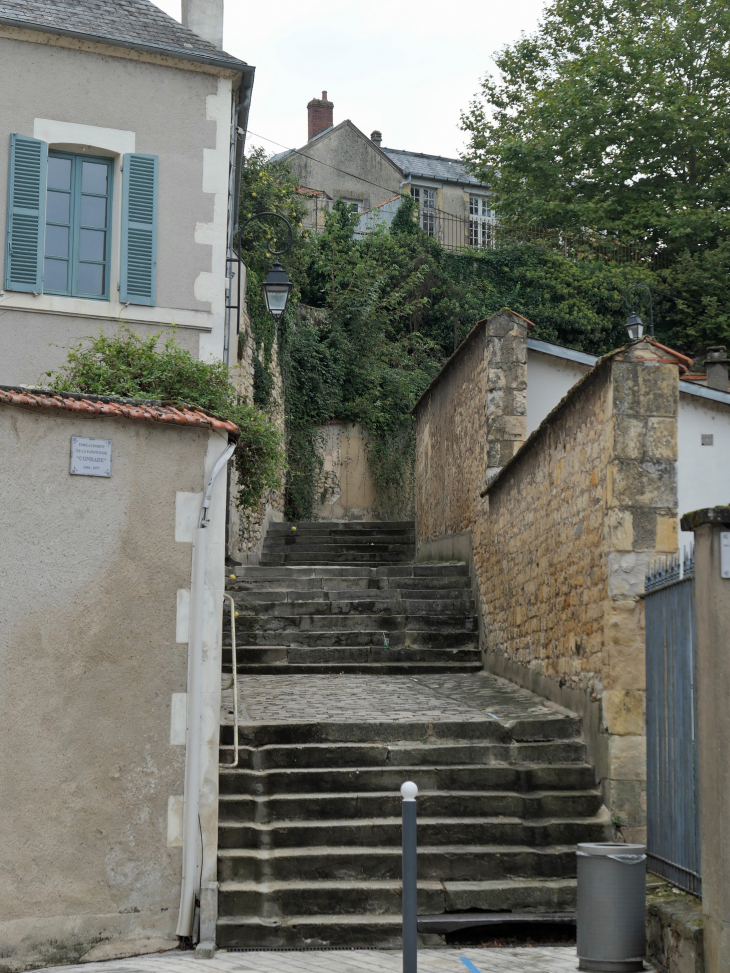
(115, 407)
(436, 167)
(118, 22)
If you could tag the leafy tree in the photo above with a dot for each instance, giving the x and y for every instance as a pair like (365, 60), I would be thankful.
(615, 115)
(132, 366)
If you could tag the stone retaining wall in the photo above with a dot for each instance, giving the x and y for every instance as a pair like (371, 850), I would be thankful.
(562, 527)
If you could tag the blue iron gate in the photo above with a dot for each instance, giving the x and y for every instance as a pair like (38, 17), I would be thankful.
(673, 826)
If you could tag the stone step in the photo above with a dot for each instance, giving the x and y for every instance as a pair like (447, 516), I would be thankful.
(343, 559)
(444, 863)
(422, 587)
(262, 597)
(290, 898)
(255, 572)
(241, 808)
(428, 778)
(527, 728)
(358, 606)
(360, 668)
(451, 624)
(347, 655)
(368, 756)
(308, 932)
(324, 540)
(383, 832)
(307, 638)
(344, 526)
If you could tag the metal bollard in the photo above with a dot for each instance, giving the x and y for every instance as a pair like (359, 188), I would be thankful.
(410, 888)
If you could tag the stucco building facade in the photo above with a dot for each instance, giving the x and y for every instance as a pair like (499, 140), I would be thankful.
(117, 176)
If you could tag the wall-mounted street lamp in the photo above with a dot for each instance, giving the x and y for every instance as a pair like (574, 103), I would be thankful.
(634, 324)
(277, 285)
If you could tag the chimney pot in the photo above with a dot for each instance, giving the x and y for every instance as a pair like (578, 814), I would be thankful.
(319, 115)
(716, 364)
(204, 18)
(376, 137)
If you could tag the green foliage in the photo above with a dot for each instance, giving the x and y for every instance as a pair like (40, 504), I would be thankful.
(130, 365)
(266, 187)
(615, 116)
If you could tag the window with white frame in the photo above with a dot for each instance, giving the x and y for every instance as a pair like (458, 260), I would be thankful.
(482, 222)
(426, 199)
(354, 205)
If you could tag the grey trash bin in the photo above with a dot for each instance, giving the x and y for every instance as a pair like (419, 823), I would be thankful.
(611, 916)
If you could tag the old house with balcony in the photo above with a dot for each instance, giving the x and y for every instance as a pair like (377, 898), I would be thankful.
(341, 162)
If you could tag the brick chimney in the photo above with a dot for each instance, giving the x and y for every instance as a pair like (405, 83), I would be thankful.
(716, 364)
(376, 137)
(319, 112)
(204, 18)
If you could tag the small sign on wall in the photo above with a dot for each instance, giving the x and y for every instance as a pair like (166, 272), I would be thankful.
(91, 457)
(725, 554)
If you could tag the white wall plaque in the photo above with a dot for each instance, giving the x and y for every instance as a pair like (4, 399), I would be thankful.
(725, 554)
(91, 457)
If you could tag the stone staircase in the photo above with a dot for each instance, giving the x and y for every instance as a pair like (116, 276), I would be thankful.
(348, 598)
(309, 832)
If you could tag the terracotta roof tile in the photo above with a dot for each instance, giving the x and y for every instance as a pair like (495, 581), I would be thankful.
(147, 410)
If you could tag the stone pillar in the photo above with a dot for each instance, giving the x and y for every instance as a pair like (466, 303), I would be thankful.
(712, 606)
(506, 353)
(641, 523)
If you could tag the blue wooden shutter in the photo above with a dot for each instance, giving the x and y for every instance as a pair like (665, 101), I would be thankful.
(26, 229)
(139, 229)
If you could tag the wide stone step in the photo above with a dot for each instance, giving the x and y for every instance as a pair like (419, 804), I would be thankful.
(344, 559)
(527, 728)
(362, 668)
(343, 526)
(241, 808)
(450, 624)
(383, 832)
(254, 572)
(462, 778)
(458, 607)
(445, 863)
(346, 655)
(298, 757)
(325, 540)
(294, 588)
(348, 898)
(261, 598)
(309, 932)
(310, 638)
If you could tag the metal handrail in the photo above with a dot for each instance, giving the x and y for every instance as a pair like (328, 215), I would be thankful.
(234, 662)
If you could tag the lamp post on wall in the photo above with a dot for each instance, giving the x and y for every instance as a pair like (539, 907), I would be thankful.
(634, 324)
(277, 285)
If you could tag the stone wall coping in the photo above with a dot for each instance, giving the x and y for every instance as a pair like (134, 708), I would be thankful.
(598, 368)
(676, 359)
(716, 516)
(448, 364)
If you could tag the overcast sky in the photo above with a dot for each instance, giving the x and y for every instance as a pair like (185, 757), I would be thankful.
(407, 71)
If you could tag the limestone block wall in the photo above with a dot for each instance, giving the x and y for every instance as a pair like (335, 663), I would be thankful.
(573, 523)
(559, 528)
(469, 422)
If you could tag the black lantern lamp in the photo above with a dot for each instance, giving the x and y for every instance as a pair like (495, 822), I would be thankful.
(277, 288)
(277, 285)
(634, 324)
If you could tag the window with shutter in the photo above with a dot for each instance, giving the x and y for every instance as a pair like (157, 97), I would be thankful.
(26, 214)
(139, 229)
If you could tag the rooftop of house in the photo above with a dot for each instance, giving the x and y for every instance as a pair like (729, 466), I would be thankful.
(116, 407)
(437, 167)
(138, 24)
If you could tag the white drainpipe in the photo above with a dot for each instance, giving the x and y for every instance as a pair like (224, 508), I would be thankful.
(191, 803)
